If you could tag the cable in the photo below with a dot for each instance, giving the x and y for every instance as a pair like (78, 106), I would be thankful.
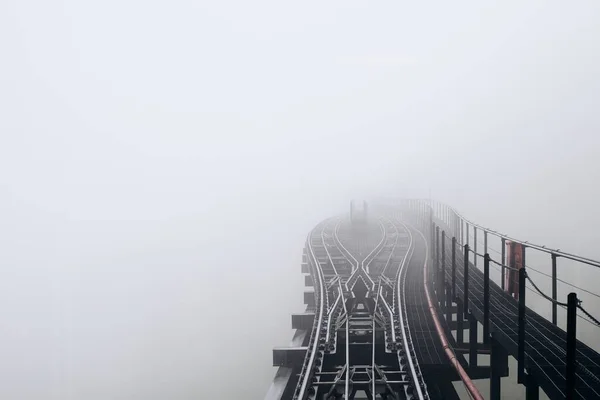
(543, 294)
(560, 280)
(588, 314)
(494, 261)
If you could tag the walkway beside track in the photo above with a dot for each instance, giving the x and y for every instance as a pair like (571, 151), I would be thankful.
(545, 342)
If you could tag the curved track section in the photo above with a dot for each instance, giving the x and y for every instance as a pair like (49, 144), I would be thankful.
(360, 344)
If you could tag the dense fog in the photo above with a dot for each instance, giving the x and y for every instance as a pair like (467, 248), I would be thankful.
(162, 162)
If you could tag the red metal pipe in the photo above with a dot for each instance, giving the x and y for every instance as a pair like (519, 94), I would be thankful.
(473, 391)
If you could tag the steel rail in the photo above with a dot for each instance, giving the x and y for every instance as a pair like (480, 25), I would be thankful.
(327, 251)
(387, 263)
(411, 341)
(401, 312)
(374, 253)
(316, 328)
(373, 354)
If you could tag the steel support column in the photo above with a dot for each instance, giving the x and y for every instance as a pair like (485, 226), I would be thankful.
(571, 344)
(460, 329)
(448, 303)
(521, 327)
(472, 341)
(443, 267)
(485, 242)
(532, 389)
(475, 246)
(554, 305)
(499, 365)
(437, 258)
(453, 267)
(502, 271)
(466, 281)
(486, 298)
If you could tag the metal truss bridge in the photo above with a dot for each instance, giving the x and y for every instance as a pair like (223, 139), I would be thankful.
(390, 295)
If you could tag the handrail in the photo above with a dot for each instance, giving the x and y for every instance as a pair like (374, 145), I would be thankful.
(542, 248)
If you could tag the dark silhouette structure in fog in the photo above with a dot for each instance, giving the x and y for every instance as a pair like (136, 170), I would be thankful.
(394, 291)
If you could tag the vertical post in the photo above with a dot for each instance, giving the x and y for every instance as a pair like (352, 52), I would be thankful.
(502, 271)
(466, 281)
(443, 267)
(433, 242)
(449, 304)
(499, 366)
(472, 341)
(521, 348)
(485, 244)
(523, 251)
(475, 246)
(437, 259)
(467, 224)
(460, 330)
(554, 305)
(571, 344)
(513, 265)
(532, 389)
(486, 298)
(454, 267)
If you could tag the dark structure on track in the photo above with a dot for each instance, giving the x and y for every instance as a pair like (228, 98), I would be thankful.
(392, 294)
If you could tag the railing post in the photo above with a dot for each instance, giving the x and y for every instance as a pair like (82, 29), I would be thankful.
(454, 267)
(432, 234)
(475, 246)
(443, 266)
(437, 256)
(486, 298)
(448, 304)
(467, 224)
(512, 261)
(485, 242)
(502, 270)
(460, 330)
(523, 252)
(521, 341)
(571, 344)
(554, 305)
(466, 282)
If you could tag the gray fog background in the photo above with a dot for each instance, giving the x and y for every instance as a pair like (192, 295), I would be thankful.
(162, 162)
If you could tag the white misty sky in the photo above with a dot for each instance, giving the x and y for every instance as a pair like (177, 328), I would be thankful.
(155, 155)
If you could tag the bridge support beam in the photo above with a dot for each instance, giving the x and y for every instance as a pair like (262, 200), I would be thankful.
(499, 367)
(460, 329)
(532, 389)
(472, 341)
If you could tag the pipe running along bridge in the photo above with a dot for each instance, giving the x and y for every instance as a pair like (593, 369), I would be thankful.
(393, 291)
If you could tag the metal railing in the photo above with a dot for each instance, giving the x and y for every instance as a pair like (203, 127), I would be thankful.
(446, 222)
